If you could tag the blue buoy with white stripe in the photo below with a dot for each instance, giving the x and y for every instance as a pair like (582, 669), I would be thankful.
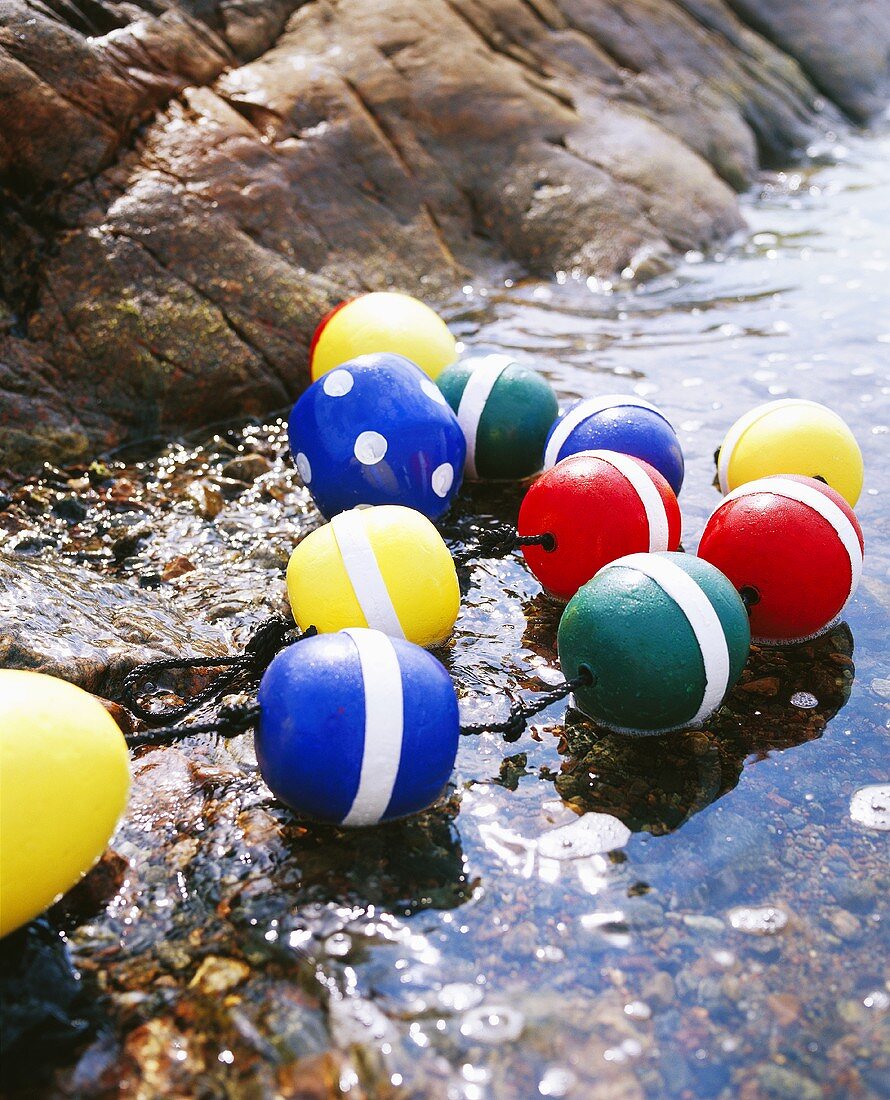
(505, 410)
(663, 638)
(618, 422)
(356, 728)
(377, 430)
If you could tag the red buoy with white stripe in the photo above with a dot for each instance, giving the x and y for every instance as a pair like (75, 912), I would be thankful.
(794, 547)
(596, 506)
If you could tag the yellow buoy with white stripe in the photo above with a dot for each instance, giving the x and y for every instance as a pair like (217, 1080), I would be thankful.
(64, 778)
(385, 567)
(791, 436)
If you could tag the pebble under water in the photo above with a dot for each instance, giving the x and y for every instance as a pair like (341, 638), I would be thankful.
(698, 915)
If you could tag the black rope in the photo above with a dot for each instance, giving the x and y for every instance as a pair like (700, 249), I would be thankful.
(270, 637)
(512, 727)
(499, 542)
(234, 718)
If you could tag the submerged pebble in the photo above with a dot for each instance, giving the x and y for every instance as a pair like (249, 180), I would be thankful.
(764, 920)
(590, 835)
(492, 1024)
(870, 806)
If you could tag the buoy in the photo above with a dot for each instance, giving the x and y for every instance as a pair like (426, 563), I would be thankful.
(794, 547)
(377, 431)
(596, 506)
(64, 779)
(384, 321)
(664, 638)
(618, 422)
(505, 410)
(386, 568)
(356, 728)
(791, 436)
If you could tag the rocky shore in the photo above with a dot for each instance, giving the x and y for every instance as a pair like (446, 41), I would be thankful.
(187, 186)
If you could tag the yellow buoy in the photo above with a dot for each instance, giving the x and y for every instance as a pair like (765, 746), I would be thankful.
(386, 568)
(382, 321)
(791, 436)
(64, 778)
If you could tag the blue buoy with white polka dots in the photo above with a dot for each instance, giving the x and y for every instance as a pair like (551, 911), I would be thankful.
(377, 430)
(618, 422)
(356, 727)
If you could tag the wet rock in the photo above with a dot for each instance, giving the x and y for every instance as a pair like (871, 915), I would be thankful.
(764, 920)
(67, 621)
(786, 1008)
(658, 990)
(783, 1083)
(208, 499)
(843, 923)
(217, 975)
(70, 508)
(291, 153)
(120, 714)
(126, 545)
(177, 567)
(41, 995)
(247, 468)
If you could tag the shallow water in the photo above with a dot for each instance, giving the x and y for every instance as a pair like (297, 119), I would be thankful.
(697, 915)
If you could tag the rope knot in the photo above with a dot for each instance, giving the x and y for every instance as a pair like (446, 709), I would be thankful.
(266, 641)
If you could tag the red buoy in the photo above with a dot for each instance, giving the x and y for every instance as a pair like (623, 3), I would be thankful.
(793, 547)
(596, 506)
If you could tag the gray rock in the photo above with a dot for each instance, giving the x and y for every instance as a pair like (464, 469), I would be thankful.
(69, 622)
(174, 280)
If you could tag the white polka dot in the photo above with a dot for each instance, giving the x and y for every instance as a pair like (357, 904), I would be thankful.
(303, 466)
(433, 392)
(443, 479)
(370, 447)
(338, 383)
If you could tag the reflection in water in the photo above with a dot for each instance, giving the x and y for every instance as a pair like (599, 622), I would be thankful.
(655, 784)
(403, 867)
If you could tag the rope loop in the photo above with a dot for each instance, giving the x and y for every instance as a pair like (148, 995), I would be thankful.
(512, 727)
(234, 718)
(499, 542)
(268, 638)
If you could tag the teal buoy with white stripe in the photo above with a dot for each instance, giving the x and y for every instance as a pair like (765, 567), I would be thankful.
(664, 638)
(505, 410)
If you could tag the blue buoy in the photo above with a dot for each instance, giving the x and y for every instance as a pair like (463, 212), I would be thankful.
(377, 430)
(356, 727)
(618, 422)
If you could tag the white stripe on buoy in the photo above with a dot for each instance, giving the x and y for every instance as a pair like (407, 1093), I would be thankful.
(644, 487)
(472, 401)
(364, 573)
(819, 502)
(702, 617)
(384, 725)
(581, 411)
(738, 429)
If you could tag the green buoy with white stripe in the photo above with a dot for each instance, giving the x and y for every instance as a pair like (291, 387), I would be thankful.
(505, 410)
(663, 637)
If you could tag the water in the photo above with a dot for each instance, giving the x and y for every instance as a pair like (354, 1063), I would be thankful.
(701, 915)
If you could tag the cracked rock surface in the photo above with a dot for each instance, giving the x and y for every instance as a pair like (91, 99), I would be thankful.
(187, 185)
